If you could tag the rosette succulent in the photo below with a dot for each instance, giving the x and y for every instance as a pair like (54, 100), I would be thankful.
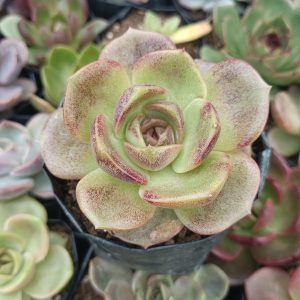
(21, 161)
(33, 263)
(273, 283)
(13, 57)
(271, 235)
(157, 139)
(285, 110)
(267, 37)
(56, 22)
(114, 282)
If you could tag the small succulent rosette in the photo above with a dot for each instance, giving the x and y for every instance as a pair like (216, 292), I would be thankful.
(157, 139)
(51, 23)
(21, 163)
(34, 263)
(271, 234)
(13, 57)
(284, 137)
(267, 36)
(273, 283)
(114, 282)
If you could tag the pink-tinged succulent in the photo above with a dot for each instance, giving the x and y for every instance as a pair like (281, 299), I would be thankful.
(34, 263)
(13, 57)
(157, 139)
(273, 283)
(285, 109)
(271, 235)
(21, 162)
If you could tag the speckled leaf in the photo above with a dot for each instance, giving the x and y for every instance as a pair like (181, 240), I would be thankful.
(134, 44)
(102, 199)
(241, 99)
(161, 228)
(173, 70)
(233, 203)
(294, 284)
(202, 129)
(195, 188)
(110, 155)
(268, 283)
(64, 156)
(93, 90)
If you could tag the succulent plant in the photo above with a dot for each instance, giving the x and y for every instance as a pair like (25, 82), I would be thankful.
(115, 282)
(203, 4)
(21, 161)
(152, 152)
(52, 23)
(267, 37)
(61, 63)
(273, 283)
(271, 235)
(33, 265)
(13, 57)
(170, 27)
(285, 109)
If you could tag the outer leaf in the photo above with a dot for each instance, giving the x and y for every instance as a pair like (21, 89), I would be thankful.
(93, 90)
(241, 99)
(133, 45)
(173, 70)
(294, 284)
(233, 203)
(192, 189)
(10, 96)
(161, 228)
(210, 54)
(52, 274)
(42, 186)
(102, 199)
(88, 54)
(119, 290)
(64, 156)
(9, 27)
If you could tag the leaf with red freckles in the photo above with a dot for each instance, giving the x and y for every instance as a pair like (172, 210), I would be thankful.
(131, 103)
(94, 89)
(173, 70)
(112, 204)
(134, 44)
(241, 99)
(202, 129)
(233, 202)
(133, 133)
(160, 228)
(64, 156)
(294, 284)
(195, 189)
(152, 158)
(110, 155)
(267, 283)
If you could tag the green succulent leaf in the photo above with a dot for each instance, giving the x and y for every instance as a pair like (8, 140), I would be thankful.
(210, 54)
(87, 55)
(9, 27)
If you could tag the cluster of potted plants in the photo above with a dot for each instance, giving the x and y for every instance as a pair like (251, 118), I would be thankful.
(143, 130)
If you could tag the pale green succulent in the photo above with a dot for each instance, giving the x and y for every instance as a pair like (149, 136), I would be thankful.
(158, 139)
(267, 37)
(114, 282)
(33, 263)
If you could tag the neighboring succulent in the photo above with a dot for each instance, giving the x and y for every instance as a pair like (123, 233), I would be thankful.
(170, 27)
(157, 142)
(56, 22)
(267, 37)
(21, 161)
(115, 282)
(61, 63)
(13, 57)
(271, 235)
(273, 283)
(285, 109)
(204, 4)
(33, 263)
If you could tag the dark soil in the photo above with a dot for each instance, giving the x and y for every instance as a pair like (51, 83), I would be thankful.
(135, 20)
(86, 291)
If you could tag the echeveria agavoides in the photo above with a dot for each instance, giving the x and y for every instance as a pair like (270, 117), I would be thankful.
(21, 162)
(267, 37)
(33, 264)
(157, 139)
(13, 57)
